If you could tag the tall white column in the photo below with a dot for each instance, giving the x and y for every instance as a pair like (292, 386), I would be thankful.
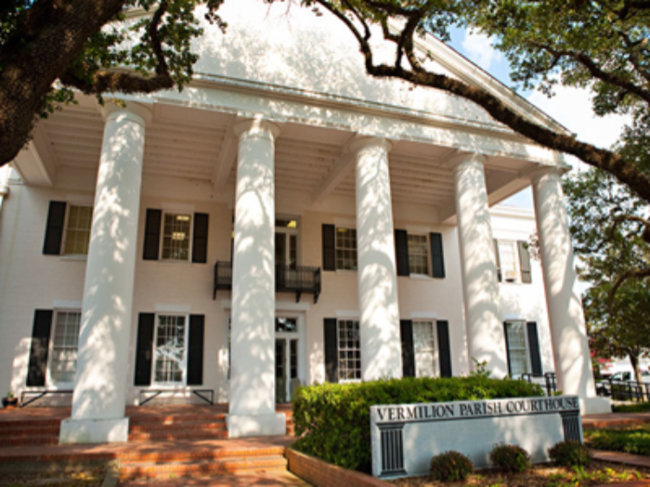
(485, 336)
(381, 354)
(252, 363)
(568, 331)
(101, 378)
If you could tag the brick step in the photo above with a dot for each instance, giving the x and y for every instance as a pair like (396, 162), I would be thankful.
(204, 467)
(8, 430)
(29, 440)
(155, 435)
(193, 426)
(178, 419)
(197, 453)
(36, 424)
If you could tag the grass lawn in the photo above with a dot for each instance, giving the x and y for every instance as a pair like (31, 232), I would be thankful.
(541, 476)
(635, 439)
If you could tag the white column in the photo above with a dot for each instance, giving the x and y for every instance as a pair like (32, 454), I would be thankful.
(381, 354)
(252, 362)
(101, 378)
(485, 336)
(568, 332)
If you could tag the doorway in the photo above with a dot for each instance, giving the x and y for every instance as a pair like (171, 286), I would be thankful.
(286, 358)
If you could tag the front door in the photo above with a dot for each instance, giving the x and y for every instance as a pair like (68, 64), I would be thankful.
(286, 358)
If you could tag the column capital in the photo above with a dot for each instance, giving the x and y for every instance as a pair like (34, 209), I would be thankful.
(138, 112)
(459, 158)
(538, 173)
(256, 127)
(361, 143)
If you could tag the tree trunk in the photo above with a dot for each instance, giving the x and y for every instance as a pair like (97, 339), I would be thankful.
(634, 360)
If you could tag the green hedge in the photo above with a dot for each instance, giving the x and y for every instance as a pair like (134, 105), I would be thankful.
(333, 420)
(636, 440)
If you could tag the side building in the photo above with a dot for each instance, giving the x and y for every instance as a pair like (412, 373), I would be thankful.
(284, 220)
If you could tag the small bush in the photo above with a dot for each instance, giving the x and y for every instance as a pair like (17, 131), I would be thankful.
(451, 466)
(510, 458)
(569, 454)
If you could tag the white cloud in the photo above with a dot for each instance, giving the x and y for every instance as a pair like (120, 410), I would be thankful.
(479, 49)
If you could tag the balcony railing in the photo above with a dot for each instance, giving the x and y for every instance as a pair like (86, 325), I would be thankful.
(299, 279)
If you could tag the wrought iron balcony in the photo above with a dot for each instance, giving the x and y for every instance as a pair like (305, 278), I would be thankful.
(299, 279)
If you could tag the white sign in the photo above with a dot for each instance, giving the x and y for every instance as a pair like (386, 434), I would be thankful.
(405, 437)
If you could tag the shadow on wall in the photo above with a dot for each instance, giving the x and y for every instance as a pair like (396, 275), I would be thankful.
(252, 335)
(104, 336)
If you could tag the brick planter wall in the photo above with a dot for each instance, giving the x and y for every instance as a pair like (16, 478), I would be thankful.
(323, 474)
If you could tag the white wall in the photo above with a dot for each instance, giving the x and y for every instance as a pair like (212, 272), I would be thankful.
(30, 280)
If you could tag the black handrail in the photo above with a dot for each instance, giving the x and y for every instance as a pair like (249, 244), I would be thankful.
(294, 279)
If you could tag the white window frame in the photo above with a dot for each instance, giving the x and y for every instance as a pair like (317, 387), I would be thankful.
(337, 230)
(155, 353)
(190, 234)
(529, 367)
(434, 348)
(343, 380)
(66, 227)
(517, 268)
(55, 384)
(427, 254)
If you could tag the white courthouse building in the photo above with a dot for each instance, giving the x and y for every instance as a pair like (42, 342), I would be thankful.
(284, 220)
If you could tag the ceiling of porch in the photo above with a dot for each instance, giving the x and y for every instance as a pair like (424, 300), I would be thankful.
(200, 145)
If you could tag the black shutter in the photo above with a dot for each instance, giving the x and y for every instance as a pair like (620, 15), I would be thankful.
(144, 349)
(533, 348)
(444, 349)
(505, 334)
(195, 351)
(497, 259)
(39, 348)
(152, 234)
(402, 252)
(200, 238)
(408, 354)
(524, 262)
(331, 350)
(329, 251)
(437, 255)
(54, 228)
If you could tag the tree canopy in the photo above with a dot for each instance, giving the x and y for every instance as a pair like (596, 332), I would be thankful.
(599, 44)
(607, 220)
(48, 47)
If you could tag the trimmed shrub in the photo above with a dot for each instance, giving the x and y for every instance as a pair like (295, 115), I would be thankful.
(510, 458)
(569, 453)
(332, 421)
(450, 466)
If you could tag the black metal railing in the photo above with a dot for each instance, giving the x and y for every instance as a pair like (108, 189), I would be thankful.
(298, 279)
(624, 390)
(550, 381)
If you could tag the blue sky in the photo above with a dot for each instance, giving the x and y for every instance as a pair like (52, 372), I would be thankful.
(570, 106)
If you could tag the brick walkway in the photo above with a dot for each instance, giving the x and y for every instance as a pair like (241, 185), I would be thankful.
(612, 420)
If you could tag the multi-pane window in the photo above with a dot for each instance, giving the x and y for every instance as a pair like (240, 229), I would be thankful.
(63, 361)
(418, 254)
(169, 349)
(517, 347)
(349, 350)
(346, 248)
(77, 233)
(508, 259)
(424, 349)
(176, 236)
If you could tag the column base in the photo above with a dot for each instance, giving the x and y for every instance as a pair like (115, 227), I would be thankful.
(595, 405)
(242, 425)
(94, 430)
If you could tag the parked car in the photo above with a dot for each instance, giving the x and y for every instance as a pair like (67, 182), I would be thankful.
(603, 387)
